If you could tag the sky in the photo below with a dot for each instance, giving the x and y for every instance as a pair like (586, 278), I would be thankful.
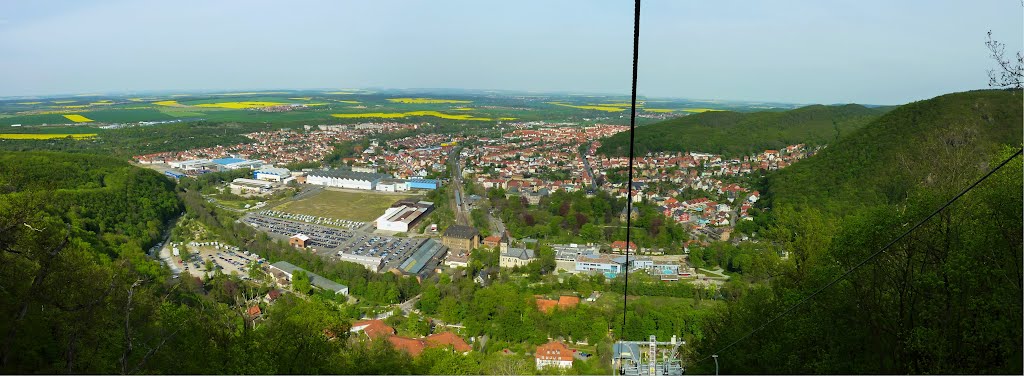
(867, 51)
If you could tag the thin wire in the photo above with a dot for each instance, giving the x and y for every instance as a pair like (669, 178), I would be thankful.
(629, 182)
(869, 258)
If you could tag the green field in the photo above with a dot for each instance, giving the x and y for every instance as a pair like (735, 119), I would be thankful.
(474, 105)
(343, 205)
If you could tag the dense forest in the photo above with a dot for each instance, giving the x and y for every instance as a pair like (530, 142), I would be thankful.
(933, 143)
(740, 133)
(945, 299)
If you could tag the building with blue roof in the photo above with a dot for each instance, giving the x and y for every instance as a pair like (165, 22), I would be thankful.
(174, 175)
(236, 163)
(423, 184)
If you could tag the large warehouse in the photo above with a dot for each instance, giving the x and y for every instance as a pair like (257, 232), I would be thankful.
(272, 174)
(345, 179)
(402, 216)
(237, 163)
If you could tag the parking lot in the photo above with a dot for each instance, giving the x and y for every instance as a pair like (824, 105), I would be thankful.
(320, 237)
(228, 259)
(328, 241)
(343, 223)
(392, 250)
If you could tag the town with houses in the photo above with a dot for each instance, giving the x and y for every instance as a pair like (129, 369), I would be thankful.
(702, 192)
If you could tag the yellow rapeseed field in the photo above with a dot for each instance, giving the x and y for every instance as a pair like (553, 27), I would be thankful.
(339, 92)
(371, 115)
(411, 113)
(463, 109)
(599, 108)
(619, 104)
(167, 103)
(78, 118)
(700, 109)
(506, 118)
(253, 93)
(45, 136)
(425, 100)
(239, 105)
(29, 102)
(301, 98)
(63, 102)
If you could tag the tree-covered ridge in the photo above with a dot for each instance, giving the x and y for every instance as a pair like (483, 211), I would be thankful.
(734, 133)
(944, 299)
(931, 143)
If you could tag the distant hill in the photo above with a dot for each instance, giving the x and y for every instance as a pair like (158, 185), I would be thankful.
(733, 133)
(950, 139)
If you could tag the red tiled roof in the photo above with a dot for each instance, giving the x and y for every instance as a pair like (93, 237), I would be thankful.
(619, 244)
(413, 346)
(449, 339)
(553, 351)
(254, 311)
(373, 328)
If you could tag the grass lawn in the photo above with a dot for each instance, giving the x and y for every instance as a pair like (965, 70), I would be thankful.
(343, 205)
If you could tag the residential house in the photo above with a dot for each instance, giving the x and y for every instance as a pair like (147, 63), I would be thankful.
(553, 354)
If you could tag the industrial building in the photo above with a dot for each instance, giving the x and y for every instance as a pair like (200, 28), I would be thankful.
(567, 254)
(403, 215)
(236, 163)
(429, 184)
(174, 175)
(610, 265)
(425, 260)
(275, 174)
(287, 270)
(243, 186)
(194, 165)
(346, 179)
(392, 185)
(373, 263)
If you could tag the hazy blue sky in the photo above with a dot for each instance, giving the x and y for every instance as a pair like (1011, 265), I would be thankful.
(880, 52)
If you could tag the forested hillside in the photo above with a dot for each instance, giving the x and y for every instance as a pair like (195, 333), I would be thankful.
(78, 294)
(945, 299)
(732, 133)
(932, 143)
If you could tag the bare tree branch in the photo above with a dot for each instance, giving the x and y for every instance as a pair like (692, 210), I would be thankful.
(1010, 74)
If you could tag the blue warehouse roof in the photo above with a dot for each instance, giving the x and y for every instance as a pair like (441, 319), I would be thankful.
(227, 161)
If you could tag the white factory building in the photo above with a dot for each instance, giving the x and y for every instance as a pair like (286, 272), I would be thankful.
(243, 186)
(400, 218)
(272, 174)
(391, 185)
(194, 164)
(345, 179)
(373, 263)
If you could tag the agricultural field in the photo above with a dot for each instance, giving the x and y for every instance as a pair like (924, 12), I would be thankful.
(300, 107)
(426, 100)
(45, 136)
(355, 206)
(416, 113)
